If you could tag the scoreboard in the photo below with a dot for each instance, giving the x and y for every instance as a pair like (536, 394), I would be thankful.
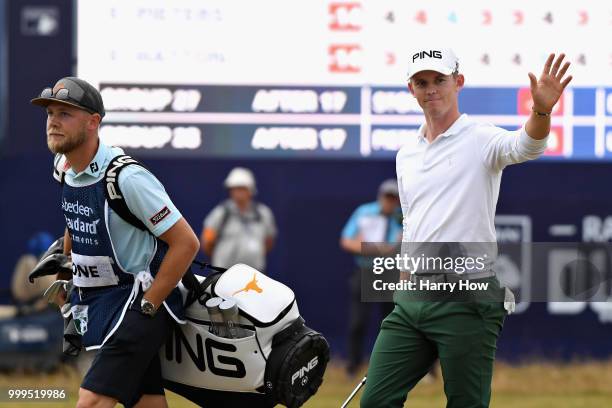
(327, 79)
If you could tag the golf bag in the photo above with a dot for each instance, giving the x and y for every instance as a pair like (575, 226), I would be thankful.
(277, 358)
(277, 355)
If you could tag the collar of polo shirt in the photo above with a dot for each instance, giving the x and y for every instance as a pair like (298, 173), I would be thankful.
(456, 127)
(95, 166)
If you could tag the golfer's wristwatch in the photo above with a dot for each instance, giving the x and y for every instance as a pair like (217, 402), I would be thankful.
(147, 308)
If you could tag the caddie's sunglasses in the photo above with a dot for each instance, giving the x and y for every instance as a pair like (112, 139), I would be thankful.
(64, 95)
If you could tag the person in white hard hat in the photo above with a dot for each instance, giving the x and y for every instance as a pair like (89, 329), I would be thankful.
(239, 230)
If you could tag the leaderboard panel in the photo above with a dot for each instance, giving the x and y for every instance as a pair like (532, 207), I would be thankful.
(328, 122)
(234, 121)
(326, 78)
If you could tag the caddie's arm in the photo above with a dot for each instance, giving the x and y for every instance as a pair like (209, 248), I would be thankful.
(183, 246)
(545, 93)
(145, 195)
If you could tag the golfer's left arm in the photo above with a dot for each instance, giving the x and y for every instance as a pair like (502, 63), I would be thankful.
(502, 148)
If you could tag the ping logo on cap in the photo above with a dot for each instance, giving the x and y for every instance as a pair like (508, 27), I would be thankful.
(429, 54)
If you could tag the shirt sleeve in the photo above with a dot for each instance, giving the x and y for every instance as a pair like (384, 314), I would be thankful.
(213, 219)
(351, 229)
(500, 147)
(269, 221)
(147, 199)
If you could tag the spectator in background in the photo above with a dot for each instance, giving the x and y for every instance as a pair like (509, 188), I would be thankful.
(239, 230)
(379, 221)
(26, 296)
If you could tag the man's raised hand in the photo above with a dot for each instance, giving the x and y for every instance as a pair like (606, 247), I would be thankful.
(547, 90)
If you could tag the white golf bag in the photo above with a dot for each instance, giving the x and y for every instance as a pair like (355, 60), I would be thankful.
(278, 355)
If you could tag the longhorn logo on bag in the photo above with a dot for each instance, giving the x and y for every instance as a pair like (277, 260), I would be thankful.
(252, 285)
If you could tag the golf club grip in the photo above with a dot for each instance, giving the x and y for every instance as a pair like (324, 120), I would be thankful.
(191, 282)
(205, 265)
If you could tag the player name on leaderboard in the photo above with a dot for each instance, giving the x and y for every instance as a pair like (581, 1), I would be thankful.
(328, 122)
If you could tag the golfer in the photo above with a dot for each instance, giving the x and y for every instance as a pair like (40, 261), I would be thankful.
(448, 179)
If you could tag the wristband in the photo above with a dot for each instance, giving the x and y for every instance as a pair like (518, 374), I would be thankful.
(544, 114)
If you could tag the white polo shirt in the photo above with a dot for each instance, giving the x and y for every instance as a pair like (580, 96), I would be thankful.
(449, 188)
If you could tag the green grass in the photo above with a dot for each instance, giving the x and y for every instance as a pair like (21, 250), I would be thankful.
(534, 385)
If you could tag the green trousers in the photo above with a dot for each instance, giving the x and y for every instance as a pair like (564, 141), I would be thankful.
(463, 335)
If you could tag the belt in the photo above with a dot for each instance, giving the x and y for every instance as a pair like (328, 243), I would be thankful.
(450, 277)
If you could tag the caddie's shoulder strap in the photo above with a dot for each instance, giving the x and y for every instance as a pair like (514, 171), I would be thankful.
(224, 218)
(113, 193)
(60, 165)
(257, 209)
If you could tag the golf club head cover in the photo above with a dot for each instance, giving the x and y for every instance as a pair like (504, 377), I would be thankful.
(296, 364)
(57, 247)
(50, 265)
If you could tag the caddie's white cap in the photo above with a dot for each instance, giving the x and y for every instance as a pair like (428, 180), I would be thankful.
(442, 60)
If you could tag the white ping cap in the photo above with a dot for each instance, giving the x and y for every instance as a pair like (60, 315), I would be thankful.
(442, 60)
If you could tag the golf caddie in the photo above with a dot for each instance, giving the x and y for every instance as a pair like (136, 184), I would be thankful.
(125, 297)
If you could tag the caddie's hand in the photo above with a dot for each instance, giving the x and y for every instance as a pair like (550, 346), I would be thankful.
(547, 90)
(56, 293)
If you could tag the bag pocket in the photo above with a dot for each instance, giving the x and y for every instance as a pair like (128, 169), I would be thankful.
(196, 357)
